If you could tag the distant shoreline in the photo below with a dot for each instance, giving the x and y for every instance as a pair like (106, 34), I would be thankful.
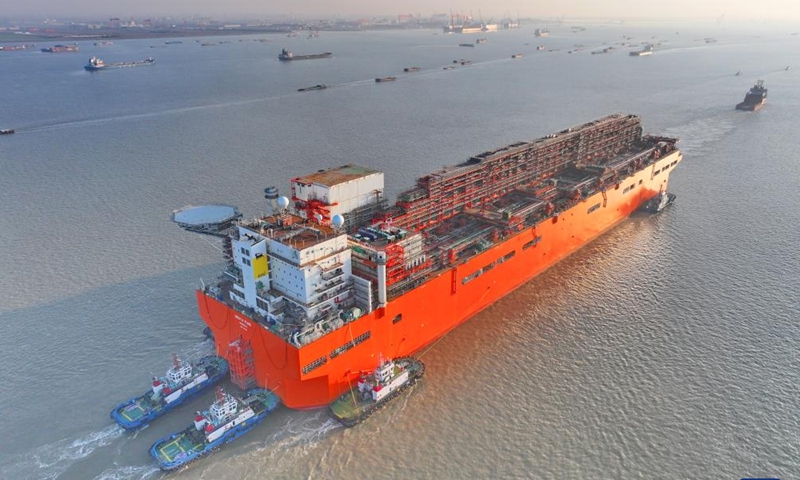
(100, 35)
(132, 35)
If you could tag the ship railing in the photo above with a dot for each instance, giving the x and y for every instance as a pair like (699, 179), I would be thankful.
(332, 275)
(332, 267)
(328, 286)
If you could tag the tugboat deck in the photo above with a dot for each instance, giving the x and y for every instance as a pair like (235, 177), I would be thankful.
(170, 451)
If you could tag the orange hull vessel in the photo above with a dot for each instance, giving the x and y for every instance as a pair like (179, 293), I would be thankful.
(470, 234)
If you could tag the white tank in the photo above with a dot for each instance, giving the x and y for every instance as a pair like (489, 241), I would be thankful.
(283, 203)
(337, 221)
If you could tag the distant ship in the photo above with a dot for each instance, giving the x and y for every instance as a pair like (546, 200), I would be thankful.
(466, 45)
(480, 41)
(103, 44)
(471, 28)
(385, 79)
(755, 98)
(172, 42)
(321, 86)
(411, 69)
(287, 55)
(6, 131)
(647, 50)
(96, 64)
(605, 50)
(516, 55)
(61, 48)
(14, 48)
(541, 32)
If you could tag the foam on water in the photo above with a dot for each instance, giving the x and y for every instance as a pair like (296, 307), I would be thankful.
(129, 472)
(50, 461)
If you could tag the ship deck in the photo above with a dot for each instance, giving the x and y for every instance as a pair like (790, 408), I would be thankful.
(133, 412)
(172, 449)
(349, 405)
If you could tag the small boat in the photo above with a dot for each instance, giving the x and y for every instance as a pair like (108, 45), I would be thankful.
(449, 67)
(516, 55)
(385, 79)
(540, 48)
(480, 41)
(738, 73)
(647, 50)
(182, 382)
(321, 86)
(228, 418)
(103, 44)
(466, 44)
(658, 203)
(6, 131)
(411, 69)
(61, 48)
(605, 50)
(172, 42)
(788, 67)
(373, 391)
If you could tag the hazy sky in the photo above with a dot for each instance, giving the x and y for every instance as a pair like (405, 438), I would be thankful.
(710, 9)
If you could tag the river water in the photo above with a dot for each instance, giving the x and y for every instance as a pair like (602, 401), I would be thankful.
(667, 348)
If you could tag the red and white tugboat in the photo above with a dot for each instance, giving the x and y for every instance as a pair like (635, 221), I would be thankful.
(388, 380)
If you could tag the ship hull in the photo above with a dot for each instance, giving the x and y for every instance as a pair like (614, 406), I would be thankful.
(315, 56)
(316, 374)
(749, 107)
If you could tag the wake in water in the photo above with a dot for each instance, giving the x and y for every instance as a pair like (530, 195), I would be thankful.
(50, 461)
(129, 473)
(135, 116)
(301, 433)
(700, 132)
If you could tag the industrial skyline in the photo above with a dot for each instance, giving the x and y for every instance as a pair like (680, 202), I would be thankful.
(622, 9)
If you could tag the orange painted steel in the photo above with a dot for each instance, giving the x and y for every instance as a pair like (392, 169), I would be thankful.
(314, 375)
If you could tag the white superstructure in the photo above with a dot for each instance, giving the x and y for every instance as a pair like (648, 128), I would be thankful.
(346, 190)
(224, 414)
(386, 379)
(294, 270)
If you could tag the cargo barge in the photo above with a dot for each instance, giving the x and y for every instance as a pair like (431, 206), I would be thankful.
(334, 277)
(287, 55)
(95, 64)
(61, 48)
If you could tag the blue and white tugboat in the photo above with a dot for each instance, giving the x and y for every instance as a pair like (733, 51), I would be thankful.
(182, 382)
(227, 419)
